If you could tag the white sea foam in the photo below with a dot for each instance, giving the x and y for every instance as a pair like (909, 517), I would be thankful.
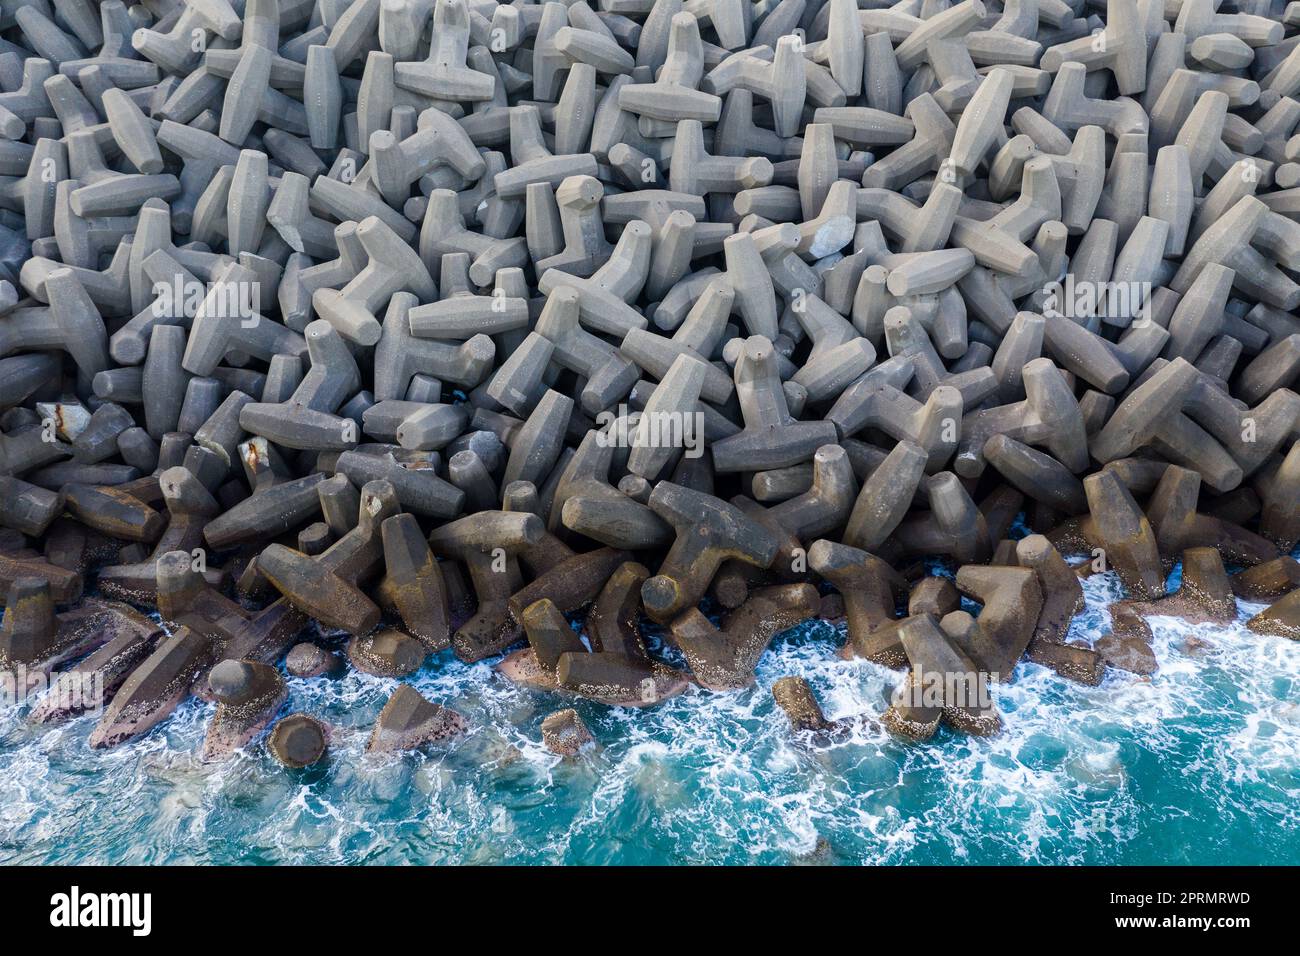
(1201, 763)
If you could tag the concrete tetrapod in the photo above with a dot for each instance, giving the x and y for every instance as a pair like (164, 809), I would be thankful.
(454, 325)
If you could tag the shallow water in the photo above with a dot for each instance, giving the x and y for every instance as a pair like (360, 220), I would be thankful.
(1200, 764)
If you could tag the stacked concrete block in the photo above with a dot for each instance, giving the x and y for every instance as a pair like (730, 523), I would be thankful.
(472, 325)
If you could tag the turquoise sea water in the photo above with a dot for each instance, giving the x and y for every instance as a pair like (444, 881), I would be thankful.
(1199, 764)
